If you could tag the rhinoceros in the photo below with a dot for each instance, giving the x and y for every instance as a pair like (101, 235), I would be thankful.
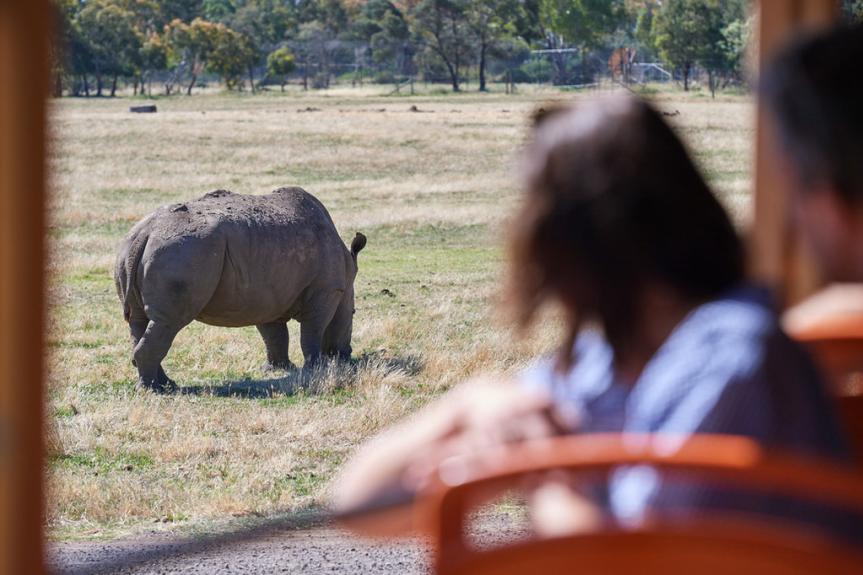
(234, 260)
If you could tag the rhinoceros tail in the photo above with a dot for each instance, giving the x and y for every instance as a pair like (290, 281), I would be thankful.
(127, 272)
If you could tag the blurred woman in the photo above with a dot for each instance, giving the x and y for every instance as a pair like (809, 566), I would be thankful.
(663, 334)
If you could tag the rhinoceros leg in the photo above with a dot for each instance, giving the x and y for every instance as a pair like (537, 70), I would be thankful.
(151, 349)
(317, 314)
(275, 335)
(137, 329)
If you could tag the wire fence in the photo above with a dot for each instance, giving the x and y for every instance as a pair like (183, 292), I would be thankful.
(326, 63)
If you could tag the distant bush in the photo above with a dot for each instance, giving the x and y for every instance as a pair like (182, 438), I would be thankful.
(384, 77)
(280, 63)
(533, 71)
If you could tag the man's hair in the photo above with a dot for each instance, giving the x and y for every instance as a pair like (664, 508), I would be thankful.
(814, 90)
(613, 202)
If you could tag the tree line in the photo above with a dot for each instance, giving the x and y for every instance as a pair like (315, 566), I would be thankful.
(101, 42)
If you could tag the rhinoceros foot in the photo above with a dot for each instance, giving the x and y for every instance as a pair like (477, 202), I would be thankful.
(285, 365)
(161, 384)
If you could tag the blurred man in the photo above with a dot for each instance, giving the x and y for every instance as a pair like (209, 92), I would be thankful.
(814, 93)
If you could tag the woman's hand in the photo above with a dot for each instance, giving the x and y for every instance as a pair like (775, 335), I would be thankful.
(478, 415)
(485, 414)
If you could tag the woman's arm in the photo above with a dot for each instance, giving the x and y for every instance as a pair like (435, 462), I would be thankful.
(402, 459)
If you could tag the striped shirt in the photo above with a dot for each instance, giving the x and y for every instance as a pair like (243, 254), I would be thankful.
(726, 368)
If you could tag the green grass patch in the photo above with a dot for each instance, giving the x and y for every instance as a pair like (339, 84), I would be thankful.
(101, 460)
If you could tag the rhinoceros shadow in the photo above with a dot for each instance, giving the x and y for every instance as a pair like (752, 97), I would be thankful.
(327, 376)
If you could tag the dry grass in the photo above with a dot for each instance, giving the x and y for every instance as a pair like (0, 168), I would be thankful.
(430, 189)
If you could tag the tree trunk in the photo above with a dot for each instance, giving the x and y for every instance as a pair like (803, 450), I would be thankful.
(711, 81)
(586, 72)
(86, 86)
(58, 85)
(191, 84)
(251, 78)
(457, 76)
(482, 50)
(98, 84)
(686, 77)
(453, 74)
(114, 86)
(283, 83)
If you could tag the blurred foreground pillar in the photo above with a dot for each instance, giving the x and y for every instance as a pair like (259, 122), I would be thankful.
(23, 83)
(778, 257)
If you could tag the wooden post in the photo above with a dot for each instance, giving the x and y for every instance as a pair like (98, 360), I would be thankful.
(778, 258)
(24, 26)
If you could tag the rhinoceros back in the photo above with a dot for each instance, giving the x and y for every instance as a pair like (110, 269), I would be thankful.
(276, 246)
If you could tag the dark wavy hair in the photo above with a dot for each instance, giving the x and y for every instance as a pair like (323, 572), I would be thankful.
(613, 202)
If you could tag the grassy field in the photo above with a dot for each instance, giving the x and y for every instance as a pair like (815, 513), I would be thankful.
(432, 190)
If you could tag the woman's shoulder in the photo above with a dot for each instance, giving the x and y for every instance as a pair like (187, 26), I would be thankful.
(733, 331)
(732, 342)
(747, 310)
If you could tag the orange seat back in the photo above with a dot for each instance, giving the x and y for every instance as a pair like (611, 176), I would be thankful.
(836, 342)
(710, 545)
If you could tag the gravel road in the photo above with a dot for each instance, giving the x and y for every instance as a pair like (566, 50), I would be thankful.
(319, 550)
(315, 550)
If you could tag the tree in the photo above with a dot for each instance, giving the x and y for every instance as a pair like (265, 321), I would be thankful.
(711, 49)
(491, 21)
(442, 28)
(644, 28)
(182, 10)
(218, 10)
(154, 56)
(737, 36)
(249, 22)
(213, 46)
(585, 24)
(314, 49)
(280, 63)
(192, 45)
(230, 56)
(269, 21)
(114, 43)
(67, 46)
(146, 14)
(385, 28)
(711, 33)
(550, 25)
(678, 32)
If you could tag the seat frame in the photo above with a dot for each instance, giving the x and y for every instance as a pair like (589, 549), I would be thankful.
(712, 544)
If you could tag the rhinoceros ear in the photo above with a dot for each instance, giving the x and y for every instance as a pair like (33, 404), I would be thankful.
(358, 244)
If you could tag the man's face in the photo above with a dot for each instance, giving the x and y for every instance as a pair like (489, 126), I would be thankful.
(825, 224)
